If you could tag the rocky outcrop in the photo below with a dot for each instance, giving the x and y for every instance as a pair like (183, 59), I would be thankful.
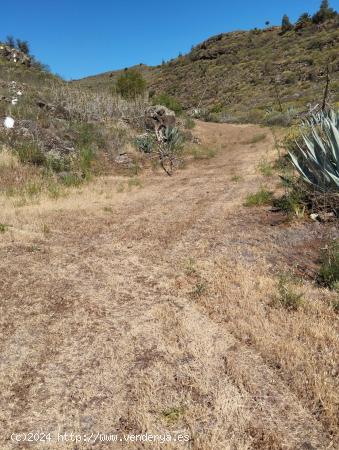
(56, 110)
(14, 55)
(158, 118)
(47, 139)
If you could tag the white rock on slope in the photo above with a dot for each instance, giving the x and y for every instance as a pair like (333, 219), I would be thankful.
(9, 122)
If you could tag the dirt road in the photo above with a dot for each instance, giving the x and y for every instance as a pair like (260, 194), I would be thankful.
(132, 309)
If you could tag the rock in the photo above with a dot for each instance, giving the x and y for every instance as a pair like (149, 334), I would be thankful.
(15, 55)
(48, 140)
(9, 122)
(57, 110)
(158, 117)
(314, 216)
(327, 217)
(123, 159)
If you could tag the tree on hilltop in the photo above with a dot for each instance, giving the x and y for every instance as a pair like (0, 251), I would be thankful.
(286, 25)
(23, 46)
(304, 20)
(325, 13)
(10, 41)
(130, 84)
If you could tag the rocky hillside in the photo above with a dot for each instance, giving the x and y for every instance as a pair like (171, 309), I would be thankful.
(245, 73)
(56, 135)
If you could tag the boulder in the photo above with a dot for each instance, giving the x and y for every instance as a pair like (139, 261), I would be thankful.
(159, 117)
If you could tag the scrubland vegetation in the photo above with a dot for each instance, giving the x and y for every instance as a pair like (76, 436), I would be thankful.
(205, 301)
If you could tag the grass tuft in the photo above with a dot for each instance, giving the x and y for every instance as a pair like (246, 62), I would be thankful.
(329, 270)
(262, 197)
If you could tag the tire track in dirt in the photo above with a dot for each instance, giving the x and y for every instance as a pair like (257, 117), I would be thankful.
(97, 338)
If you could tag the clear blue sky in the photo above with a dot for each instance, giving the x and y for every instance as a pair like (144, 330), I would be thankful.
(77, 38)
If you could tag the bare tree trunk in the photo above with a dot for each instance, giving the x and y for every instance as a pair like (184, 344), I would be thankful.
(326, 88)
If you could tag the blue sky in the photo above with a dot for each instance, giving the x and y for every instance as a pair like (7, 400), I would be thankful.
(77, 38)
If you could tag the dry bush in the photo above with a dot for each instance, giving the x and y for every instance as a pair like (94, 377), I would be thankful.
(87, 105)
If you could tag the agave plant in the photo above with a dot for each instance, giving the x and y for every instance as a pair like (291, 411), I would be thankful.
(144, 143)
(318, 160)
(173, 138)
(169, 147)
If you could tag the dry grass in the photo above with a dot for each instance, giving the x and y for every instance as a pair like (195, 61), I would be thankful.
(89, 105)
(152, 309)
(299, 346)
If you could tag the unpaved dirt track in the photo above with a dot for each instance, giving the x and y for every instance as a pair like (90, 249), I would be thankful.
(100, 336)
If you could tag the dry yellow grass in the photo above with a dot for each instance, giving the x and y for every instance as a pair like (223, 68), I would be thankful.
(153, 308)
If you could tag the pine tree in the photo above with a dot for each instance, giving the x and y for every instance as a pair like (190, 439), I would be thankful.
(286, 24)
(324, 13)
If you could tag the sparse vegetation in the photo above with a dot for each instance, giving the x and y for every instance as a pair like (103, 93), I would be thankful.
(189, 123)
(265, 168)
(262, 197)
(329, 271)
(168, 101)
(288, 297)
(255, 139)
(200, 152)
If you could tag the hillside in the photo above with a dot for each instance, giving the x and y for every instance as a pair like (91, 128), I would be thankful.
(55, 135)
(239, 75)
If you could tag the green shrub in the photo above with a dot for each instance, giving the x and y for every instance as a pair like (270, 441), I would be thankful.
(70, 179)
(329, 270)
(262, 197)
(265, 168)
(57, 163)
(168, 101)
(88, 133)
(294, 201)
(277, 118)
(216, 108)
(324, 13)
(304, 21)
(86, 157)
(31, 153)
(189, 123)
(287, 297)
(199, 152)
(130, 84)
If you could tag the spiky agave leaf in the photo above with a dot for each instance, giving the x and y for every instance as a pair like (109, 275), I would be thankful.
(318, 160)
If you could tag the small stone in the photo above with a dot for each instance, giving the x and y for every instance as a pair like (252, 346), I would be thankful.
(9, 122)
